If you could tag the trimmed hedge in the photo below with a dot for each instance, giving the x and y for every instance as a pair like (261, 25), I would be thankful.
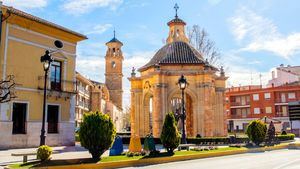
(286, 137)
(215, 140)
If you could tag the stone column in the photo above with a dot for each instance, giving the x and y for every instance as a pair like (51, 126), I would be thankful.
(208, 113)
(135, 111)
(221, 116)
(199, 113)
(157, 110)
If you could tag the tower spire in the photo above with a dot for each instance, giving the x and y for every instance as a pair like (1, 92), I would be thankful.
(114, 33)
(176, 7)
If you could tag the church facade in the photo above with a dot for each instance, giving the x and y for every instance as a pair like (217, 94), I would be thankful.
(155, 92)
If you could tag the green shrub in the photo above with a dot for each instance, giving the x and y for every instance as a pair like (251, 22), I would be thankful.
(286, 137)
(283, 132)
(97, 133)
(270, 137)
(44, 152)
(256, 131)
(170, 137)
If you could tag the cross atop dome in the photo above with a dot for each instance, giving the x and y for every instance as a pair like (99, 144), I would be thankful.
(177, 30)
(114, 39)
(176, 7)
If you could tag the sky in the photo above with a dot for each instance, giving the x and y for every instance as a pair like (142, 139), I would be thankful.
(253, 36)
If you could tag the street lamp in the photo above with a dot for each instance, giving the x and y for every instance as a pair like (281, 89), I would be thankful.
(46, 59)
(182, 83)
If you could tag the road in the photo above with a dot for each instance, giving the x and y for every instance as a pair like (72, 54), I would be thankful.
(279, 159)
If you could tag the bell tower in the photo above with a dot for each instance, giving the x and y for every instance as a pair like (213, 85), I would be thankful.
(113, 70)
(177, 29)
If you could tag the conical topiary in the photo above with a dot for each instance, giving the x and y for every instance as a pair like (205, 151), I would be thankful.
(170, 137)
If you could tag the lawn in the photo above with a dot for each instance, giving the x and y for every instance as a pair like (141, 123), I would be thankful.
(115, 158)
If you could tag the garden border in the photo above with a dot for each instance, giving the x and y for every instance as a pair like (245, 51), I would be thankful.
(160, 160)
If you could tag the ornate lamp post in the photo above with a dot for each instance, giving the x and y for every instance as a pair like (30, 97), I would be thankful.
(182, 83)
(46, 59)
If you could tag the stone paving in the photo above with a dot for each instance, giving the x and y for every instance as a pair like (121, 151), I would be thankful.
(65, 153)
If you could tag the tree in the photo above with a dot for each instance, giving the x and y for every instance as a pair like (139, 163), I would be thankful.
(126, 119)
(7, 87)
(97, 133)
(199, 39)
(270, 134)
(256, 131)
(170, 137)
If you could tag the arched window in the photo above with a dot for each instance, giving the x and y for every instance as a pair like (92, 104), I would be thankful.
(113, 64)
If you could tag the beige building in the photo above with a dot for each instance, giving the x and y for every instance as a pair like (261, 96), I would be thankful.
(155, 92)
(95, 96)
(24, 39)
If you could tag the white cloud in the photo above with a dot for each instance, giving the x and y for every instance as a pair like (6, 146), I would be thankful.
(258, 33)
(99, 29)
(84, 6)
(242, 71)
(25, 4)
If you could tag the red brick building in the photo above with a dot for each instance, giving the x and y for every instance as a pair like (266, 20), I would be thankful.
(247, 103)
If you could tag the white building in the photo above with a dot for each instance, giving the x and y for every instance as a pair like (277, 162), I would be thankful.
(284, 74)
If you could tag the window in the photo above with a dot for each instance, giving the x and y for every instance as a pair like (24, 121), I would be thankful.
(269, 110)
(56, 75)
(19, 118)
(267, 96)
(284, 110)
(244, 113)
(113, 64)
(255, 97)
(291, 96)
(52, 118)
(256, 111)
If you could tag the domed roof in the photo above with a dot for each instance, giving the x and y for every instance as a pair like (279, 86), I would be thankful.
(176, 20)
(114, 39)
(177, 52)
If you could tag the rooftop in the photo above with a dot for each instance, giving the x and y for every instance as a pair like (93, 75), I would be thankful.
(175, 53)
(40, 20)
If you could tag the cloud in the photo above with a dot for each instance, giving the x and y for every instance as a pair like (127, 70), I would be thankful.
(258, 33)
(84, 6)
(99, 29)
(91, 67)
(26, 4)
(243, 71)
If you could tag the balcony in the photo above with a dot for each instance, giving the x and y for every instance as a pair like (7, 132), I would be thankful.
(83, 105)
(235, 116)
(82, 90)
(239, 104)
(281, 114)
(63, 89)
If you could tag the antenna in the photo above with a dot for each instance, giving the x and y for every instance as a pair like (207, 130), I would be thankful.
(251, 77)
(260, 79)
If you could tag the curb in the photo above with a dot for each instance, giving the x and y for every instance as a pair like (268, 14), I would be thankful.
(160, 160)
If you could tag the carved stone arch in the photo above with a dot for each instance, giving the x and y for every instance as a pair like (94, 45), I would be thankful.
(175, 90)
(147, 113)
(191, 109)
